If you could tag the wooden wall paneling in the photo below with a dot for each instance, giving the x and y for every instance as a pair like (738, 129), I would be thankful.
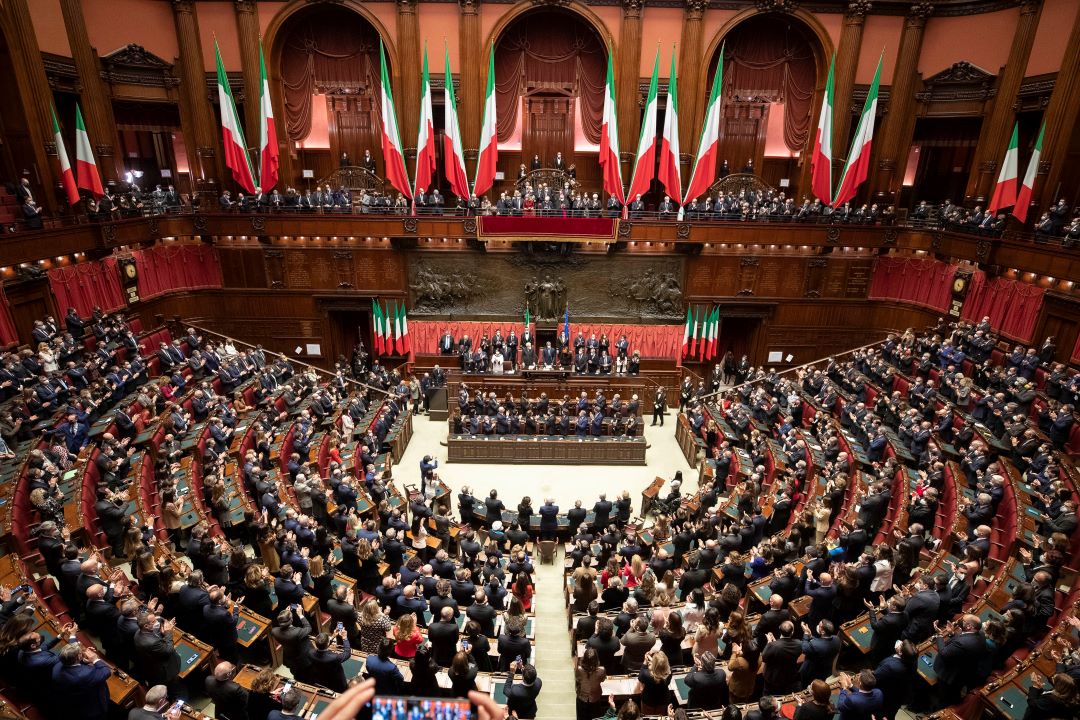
(745, 125)
(1061, 319)
(28, 301)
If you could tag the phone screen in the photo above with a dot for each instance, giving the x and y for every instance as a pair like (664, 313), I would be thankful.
(420, 708)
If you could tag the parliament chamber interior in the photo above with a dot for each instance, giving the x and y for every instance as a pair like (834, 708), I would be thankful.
(536, 359)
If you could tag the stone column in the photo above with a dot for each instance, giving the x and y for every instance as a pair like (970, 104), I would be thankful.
(627, 67)
(691, 98)
(472, 71)
(1061, 117)
(95, 100)
(997, 126)
(899, 123)
(247, 30)
(35, 97)
(847, 61)
(201, 130)
(407, 69)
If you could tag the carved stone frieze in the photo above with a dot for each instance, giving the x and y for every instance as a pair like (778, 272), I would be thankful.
(479, 285)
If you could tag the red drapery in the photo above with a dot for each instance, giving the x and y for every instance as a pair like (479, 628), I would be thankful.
(1012, 306)
(330, 49)
(652, 341)
(921, 281)
(86, 286)
(764, 59)
(9, 334)
(177, 267)
(538, 53)
(567, 228)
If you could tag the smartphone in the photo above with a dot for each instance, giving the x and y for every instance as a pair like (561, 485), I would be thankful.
(386, 707)
(286, 688)
(340, 627)
(178, 705)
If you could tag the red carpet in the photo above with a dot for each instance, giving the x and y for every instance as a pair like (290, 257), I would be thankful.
(502, 227)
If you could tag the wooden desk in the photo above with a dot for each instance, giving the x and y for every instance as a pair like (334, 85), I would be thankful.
(648, 495)
(545, 450)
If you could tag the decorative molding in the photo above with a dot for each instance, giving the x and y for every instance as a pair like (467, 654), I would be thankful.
(890, 236)
(244, 6)
(982, 249)
(468, 226)
(258, 223)
(682, 231)
(832, 235)
(551, 3)
(780, 6)
(858, 97)
(858, 9)
(236, 84)
(624, 228)
(959, 82)
(408, 225)
(200, 223)
(134, 65)
(696, 8)
(152, 226)
(108, 232)
(918, 13)
(469, 7)
(749, 262)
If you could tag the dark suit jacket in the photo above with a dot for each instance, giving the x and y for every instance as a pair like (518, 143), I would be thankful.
(957, 662)
(327, 667)
(230, 700)
(81, 690)
(443, 637)
(156, 658)
(782, 665)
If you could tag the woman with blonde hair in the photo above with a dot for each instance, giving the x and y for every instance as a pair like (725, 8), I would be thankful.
(47, 358)
(655, 676)
(407, 637)
(374, 626)
(633, 571)
(262, 699)
(646, 590)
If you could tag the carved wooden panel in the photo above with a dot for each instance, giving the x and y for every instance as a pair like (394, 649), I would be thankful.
(631, 288)
(814, 284)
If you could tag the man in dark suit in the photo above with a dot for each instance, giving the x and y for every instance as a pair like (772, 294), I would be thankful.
(887, 627)
(958, 663)
(921, 611)
(819, 652)
(292, 630)
(155, 657)
(707, 683)
(101, 617)
(549, 520)
(602, 511)
(229, 698)
(36, 663)
(513, 645)
(156, 700)
(219, 626)
(291, 702)
(327, 665)
(443, 636)
(482, 612)
(771, 619)
(781, 657)
(192, 599)
(446, 343)
(79, 683)
(859, 698)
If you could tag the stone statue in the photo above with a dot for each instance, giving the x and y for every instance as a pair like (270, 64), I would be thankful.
(547, 296)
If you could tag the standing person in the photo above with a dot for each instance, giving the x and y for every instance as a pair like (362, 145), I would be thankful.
(588, 681)
(79, 683)
(659, 406)
(521, 696)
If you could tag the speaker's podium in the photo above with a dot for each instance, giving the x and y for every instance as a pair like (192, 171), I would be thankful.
(437, 404)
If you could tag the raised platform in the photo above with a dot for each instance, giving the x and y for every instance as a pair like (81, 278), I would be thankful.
(545, 450)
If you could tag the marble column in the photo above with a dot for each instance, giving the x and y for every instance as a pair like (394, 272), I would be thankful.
(1061, 117)
(201, 128)
(627, 66)
(691, 98)
(898, 126)
(997, 126)
(35, 98)
(247, 30)
(472, 73)
(94, 98)
(847, 62)
(408, 69)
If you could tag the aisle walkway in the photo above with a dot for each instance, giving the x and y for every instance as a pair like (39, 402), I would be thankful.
(553, 661)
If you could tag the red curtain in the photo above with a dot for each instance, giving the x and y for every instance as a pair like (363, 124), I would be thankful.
(536, 52)
(652, 341)
(920, 281)
(1012, 306)
(9, 334)
(329, 49)
(773, 62)
(177, 267)
(86, 286)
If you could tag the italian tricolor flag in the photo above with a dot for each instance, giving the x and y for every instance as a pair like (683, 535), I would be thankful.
(393, 156)
(609, 139)
(707, 345)
(399, 345)
(1023, 198)
(232, 135)
(704, 172)
(645, 161)
(857, 168)
(86, 170)
(1005, 190)
(268, 145)
(821, 162)
(66, 174)
(403, 329)
(425, 139)
(669, 143)
(688, 331)
(489, 135)
(453, 154)
(380, 327)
